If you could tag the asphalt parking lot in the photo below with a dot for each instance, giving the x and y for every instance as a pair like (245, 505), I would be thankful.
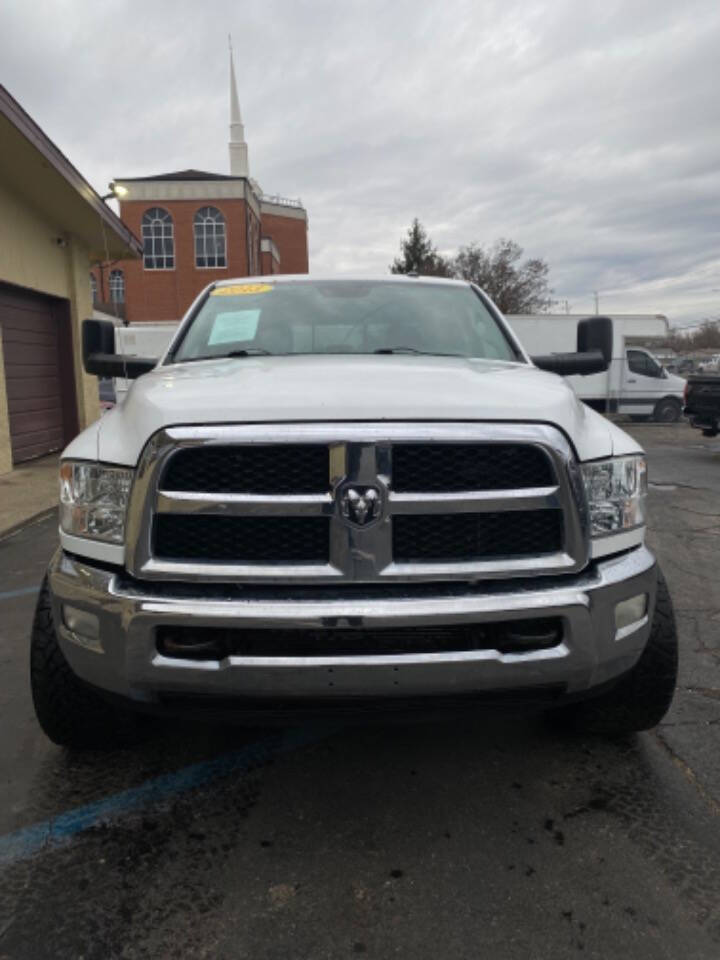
(493, 836)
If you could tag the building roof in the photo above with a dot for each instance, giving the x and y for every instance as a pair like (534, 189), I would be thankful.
(37, 170)
(181, 175)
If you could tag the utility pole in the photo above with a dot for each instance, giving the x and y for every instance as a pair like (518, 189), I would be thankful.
(597, 302)
(563, 304)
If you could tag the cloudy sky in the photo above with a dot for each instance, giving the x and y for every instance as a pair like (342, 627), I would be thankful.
(588, 132)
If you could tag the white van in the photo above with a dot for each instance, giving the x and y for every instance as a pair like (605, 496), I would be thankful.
(635, 383)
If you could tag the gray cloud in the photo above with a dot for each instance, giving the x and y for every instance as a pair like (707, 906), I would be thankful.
(589, 133)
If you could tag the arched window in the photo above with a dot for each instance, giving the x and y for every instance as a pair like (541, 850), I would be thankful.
(158, 242)
(93, 288)
(117, 286)
(209, 226)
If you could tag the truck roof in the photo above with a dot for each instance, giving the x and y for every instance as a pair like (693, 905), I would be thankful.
(314, 278)
(580, 316)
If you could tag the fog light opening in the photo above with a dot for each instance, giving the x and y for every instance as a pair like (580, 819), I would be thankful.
(207, 644)
(84, 626)
(526, 635)
(630, 614)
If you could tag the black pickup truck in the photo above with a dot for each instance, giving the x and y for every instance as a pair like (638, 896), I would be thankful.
(702, 404)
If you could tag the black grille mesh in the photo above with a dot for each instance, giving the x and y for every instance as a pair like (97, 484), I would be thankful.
(276, 469)
(438, 467)
(214, 643)
(269, 540)
(480, 536)
(280, 468)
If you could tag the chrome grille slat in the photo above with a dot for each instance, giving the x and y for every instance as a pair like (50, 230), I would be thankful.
(246, 504)
(361, 454)
(476, 501)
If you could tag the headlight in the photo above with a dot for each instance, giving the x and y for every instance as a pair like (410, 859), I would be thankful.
(616, 491)
(93, 500)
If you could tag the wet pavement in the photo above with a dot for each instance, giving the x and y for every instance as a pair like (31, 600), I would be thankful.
(490, 837)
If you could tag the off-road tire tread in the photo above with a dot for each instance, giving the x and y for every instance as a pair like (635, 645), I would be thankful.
(640, 699)
(70, 713)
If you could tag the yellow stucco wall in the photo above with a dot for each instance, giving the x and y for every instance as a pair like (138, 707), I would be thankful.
(30, 258)
(86, 387)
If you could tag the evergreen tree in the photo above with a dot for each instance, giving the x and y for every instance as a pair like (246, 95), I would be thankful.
(418, 255)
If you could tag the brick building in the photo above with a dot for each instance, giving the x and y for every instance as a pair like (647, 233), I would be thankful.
(198, 227)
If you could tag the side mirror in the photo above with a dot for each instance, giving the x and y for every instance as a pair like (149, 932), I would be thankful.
(99, 357)
(596, 333)
(594, 351)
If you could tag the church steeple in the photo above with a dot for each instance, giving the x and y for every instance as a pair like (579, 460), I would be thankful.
(237, 146)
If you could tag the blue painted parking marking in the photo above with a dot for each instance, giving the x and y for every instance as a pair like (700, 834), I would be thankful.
(25, 592)
(52, 833)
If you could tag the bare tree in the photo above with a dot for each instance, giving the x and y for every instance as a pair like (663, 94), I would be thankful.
(418, 255)
(706, 336)
(514, 286)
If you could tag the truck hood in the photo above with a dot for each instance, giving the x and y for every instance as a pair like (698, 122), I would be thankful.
(288, 389)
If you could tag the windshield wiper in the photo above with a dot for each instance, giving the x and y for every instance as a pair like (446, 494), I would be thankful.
(422, 353)
(248, 352)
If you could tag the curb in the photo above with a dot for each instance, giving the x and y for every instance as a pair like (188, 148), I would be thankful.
(26, 521)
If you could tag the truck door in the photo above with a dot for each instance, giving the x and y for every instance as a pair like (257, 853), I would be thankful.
(642, 383)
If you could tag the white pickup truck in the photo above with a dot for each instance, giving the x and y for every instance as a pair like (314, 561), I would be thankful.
(334, 494)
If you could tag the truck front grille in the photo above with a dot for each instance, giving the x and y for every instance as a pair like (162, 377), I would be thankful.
(356, 503)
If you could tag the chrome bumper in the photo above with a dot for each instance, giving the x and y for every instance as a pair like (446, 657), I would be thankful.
(126, 661)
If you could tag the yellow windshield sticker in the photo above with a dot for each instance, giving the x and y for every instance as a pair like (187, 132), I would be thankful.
(241, 289)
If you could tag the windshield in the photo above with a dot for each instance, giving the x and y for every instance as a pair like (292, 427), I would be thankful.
(343, 316)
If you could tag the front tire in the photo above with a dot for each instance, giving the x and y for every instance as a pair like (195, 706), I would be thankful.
(70, 713)
(641, 698)
(667, 410)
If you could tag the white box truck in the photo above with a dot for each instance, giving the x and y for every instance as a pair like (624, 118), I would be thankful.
(141, 340)
(635, 383)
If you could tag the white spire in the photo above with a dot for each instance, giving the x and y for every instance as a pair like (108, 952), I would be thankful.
(237, 146)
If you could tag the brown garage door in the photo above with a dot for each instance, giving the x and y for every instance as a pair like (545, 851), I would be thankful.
(38, 376)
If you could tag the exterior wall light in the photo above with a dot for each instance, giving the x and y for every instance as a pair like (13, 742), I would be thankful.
(116, 190)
